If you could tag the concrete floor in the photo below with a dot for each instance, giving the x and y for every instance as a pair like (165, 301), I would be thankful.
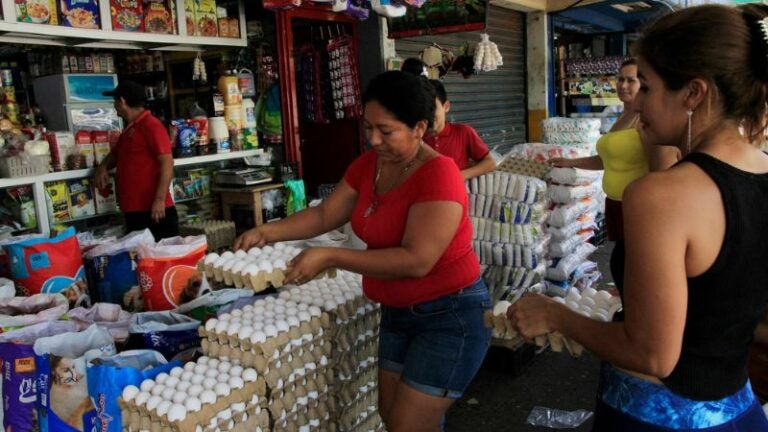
(508, 387)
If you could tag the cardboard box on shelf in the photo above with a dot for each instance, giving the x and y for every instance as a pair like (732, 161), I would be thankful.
(105, 198)
(62, 144)
(206, 18)
(100, 145)
(80, 14)
(189, 10)
(80, 198)
(37, 11)
(158, 16)
(57, 198)
(84, 143)
(127, 15)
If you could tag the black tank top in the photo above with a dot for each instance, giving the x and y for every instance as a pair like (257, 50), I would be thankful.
(726, 302)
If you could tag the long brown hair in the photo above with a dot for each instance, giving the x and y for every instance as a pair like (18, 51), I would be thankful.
(722, 45)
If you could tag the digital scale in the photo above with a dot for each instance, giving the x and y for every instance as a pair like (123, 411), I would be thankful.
(243, 176)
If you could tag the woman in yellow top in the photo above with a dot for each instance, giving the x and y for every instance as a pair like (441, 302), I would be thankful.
(624, 157)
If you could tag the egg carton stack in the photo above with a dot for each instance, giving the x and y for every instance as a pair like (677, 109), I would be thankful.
(285, 342)
(576, 195)
(581, 133)
(508, 211)
(256, 269)
(209, 395)
(219, 234)
(597, 305)
(353, 335)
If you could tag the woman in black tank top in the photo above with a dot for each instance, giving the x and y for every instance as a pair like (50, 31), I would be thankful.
(696, 237)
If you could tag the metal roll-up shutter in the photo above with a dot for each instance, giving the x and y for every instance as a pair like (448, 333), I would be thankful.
(492, 102)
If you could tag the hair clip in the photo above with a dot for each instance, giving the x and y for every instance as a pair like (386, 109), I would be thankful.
(764, 28)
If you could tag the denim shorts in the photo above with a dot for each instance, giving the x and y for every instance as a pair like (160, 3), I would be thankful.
(437, 347)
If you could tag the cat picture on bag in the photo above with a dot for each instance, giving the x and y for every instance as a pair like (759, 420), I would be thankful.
(69, 391)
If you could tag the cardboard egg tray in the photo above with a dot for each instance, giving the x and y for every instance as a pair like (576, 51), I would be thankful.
(311, 418)
(257, 282)
(252, 396)
(359, 412)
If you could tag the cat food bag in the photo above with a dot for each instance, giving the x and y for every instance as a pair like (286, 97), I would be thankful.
(167, 271)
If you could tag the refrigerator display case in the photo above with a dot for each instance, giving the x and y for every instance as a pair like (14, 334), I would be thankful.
(72, 102)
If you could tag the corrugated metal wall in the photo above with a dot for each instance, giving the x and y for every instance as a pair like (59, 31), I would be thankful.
(492, 102)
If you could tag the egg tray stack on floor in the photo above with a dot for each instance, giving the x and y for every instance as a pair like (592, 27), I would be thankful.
(508, 211)
(576, 195)
(353, 335)
(256, 269)
(209, 395)
(219, 234)
(285, 342)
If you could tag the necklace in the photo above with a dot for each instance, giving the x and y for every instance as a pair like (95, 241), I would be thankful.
(375, 202)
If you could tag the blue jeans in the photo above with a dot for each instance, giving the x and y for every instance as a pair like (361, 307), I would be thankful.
(437, 347)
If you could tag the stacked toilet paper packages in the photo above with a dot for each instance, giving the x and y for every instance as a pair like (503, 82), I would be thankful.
(256, 269)
(507, 212)
(299, 343)
(576, 196)
(598, 305)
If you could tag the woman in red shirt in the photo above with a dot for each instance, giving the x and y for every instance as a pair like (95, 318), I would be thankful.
(409, 204)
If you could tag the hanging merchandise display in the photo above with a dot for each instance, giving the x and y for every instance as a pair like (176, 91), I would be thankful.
(438, 60)
(198, 70)
(345, 81)
(308, 81)
(388, 8)
(487, 55)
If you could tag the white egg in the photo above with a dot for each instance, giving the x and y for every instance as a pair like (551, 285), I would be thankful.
(250, 375)
(315, 311)
(236, 370)
(172, 381)
(211, 373)
(560, 300)
(208, 397)
(240, 253)
(141, 398)
(130, 392)
(589, 292)
(329, 305)
(213, 363)
(603, 295)
(292, 320)
(224, 367)
(157, 390)
(220, 261)
(179, 397)
(573, 294)
(587, 301)
(223, 377)
(227, 255)
(161, 377)
(210, 326)
(190, 367)
(193, 404)
(200, 369)
(229, 264)
(221, 389)
(195, 390)
(282, 325)
(153, 402)
(183, 386)
(177, 412)
(211, 257)
(186, 376)
(303, 307)
(268, 249)
(265, 266)
(304, 316)
(258, 336)
(233, 329)
(280, 264)
(221, 327)
(255, 251)
(208, 383)
(236, 382)
(239, 266)
(168, 393)
(163, 407)
(279, 246)
(572, 305)
(250, 269)
(270, 331)
(147, 385)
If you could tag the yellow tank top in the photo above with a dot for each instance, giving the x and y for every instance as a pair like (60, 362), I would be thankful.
(623, 160)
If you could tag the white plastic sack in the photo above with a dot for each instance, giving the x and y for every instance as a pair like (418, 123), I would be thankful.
(25, 311)
(562, 194)
(213, 298)
(574, 176)
(127, 243)
(172, 247)
(107, 315)
(161, 321)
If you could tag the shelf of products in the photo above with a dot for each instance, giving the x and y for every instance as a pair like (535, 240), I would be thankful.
(41, 29)
(42, 184)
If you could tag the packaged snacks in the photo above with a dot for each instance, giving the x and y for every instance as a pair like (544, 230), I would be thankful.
(158, 17)
(100, 145)
(105, 198)
(206, 18)
(80, 198)
(84, 143)
(61, 144)
(127, 15)
(189, 9)
(80, 14)
(58, 201)
(37, 11)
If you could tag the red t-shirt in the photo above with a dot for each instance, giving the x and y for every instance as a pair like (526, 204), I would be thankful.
(437, 180)
(138, 169)
(459, 142)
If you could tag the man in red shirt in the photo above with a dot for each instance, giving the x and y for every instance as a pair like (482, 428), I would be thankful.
(144, 165)
(458, 141)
